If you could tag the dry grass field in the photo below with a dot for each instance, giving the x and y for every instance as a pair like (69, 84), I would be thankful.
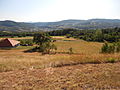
(17, 38)
(79, 46)
(85, 69)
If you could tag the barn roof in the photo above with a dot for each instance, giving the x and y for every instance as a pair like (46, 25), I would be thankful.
(8, 42)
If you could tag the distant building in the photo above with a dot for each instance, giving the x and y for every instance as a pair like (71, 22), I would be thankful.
(9, 43)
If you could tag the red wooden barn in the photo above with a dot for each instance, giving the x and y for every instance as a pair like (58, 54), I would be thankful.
(9, 43)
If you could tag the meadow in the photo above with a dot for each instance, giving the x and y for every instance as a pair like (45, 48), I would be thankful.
(86, 64)
(83, 52)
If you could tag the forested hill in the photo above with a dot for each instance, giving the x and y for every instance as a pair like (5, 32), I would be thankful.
(78, 24)
(16, 26)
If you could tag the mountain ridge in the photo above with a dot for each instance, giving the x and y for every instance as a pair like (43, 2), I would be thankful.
(9, 25)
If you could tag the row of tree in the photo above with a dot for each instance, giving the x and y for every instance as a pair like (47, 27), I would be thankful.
(16, 34)
(110, 35)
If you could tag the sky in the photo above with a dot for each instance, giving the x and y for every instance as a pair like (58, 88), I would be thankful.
(57, 10)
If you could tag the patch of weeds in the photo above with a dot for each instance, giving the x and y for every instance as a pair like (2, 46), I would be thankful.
(111, 60)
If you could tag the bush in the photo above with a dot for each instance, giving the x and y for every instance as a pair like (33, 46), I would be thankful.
(26, 42)
(118, 47)
(110, 48)
(68, 35)
(111, 60)
(105, 48)
(70, 50)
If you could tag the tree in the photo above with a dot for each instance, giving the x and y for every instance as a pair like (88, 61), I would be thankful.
(44, 42)
(105, 48)
(41, 38)
(111, 48)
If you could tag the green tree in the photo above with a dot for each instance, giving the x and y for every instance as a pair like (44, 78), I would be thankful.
(118, 47)
(41, 38)
(105, 47)
(44, 42)
(108, 48)
(111, 48)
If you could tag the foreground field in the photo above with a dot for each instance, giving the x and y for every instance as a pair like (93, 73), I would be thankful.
(84, 52)
(85, 69)
(77, 77)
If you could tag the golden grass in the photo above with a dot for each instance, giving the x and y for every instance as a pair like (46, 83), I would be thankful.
(62, 38)
(17, 59)
(57, 36)
(87, 59)
(84, 52)
(79, 46)
(34, 71)
(76, 77)
(17, 38)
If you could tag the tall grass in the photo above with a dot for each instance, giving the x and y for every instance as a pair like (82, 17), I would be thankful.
(79, 46)
(84, 52)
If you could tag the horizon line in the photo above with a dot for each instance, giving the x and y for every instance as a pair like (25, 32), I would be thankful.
(58, 20)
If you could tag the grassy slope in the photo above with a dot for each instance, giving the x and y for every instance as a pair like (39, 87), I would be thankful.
(79, 46)
(85, 52)
(33, 70)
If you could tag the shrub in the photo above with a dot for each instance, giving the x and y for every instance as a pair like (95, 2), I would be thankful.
(70, 50)
(111, 60)
(110, 48)
(68, 35)
(105, 48)
(118, 47)
(26, 42)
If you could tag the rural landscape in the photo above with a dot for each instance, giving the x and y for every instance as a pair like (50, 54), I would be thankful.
(59, 45)
(67, 59)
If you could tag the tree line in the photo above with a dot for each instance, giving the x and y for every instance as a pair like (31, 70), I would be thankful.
(100, 35)
(16, 34)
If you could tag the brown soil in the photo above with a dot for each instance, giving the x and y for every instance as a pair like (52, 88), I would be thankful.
(76, 77)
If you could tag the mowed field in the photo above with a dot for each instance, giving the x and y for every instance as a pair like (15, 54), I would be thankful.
(85, 69)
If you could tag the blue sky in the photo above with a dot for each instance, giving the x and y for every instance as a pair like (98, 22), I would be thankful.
(56, 10)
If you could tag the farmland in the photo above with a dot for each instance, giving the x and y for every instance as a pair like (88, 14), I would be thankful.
(86, 68)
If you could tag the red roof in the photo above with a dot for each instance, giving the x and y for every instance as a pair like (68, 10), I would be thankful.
(8, 43)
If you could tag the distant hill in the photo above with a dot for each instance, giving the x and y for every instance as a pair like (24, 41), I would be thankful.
(79, 24)
(16, 26)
